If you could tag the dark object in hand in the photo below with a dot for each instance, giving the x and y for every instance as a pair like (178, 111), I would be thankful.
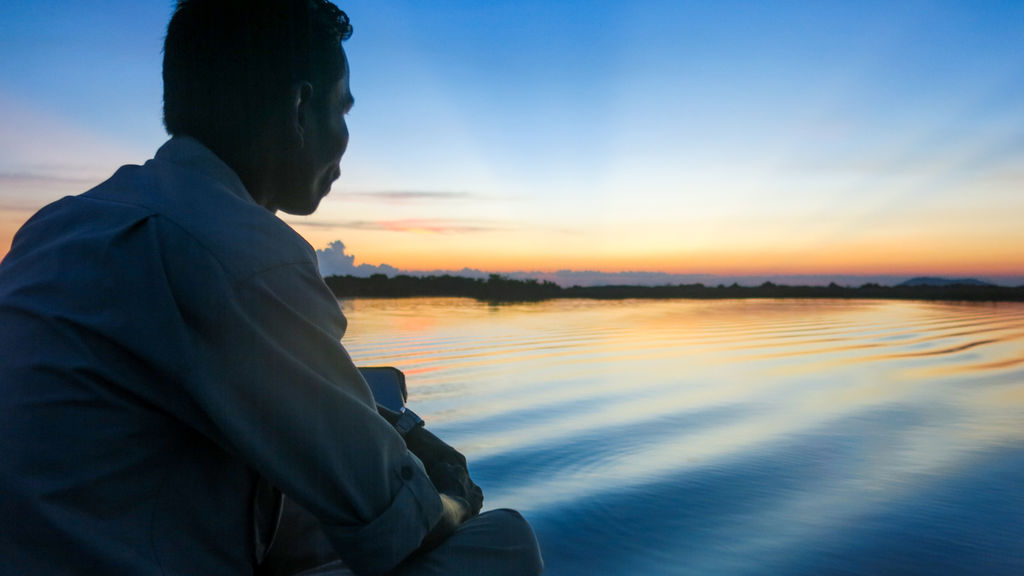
(445, 465)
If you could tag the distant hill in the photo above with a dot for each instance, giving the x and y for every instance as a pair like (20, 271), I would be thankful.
(932, 281)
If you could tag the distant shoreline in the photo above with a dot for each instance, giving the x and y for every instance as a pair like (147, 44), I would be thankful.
(500, 289)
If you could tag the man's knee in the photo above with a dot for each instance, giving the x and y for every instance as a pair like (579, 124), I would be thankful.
(495, 543)
(519, 535)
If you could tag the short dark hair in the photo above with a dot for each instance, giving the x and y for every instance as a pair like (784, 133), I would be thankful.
(228, 64)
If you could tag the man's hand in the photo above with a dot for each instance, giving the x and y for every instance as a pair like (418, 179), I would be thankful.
(445, 465)
(456, 511)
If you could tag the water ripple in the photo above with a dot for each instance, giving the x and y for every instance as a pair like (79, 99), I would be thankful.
(729, 437)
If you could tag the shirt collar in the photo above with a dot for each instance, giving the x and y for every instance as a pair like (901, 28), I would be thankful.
(192, 154)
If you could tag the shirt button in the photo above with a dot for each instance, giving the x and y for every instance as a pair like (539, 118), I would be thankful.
(406, 473)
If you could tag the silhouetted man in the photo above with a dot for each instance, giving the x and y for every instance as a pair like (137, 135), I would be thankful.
(170, 352)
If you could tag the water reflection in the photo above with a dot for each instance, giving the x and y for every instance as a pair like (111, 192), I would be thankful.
(753, 437)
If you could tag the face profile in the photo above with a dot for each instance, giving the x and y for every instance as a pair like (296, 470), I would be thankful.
(308, 175)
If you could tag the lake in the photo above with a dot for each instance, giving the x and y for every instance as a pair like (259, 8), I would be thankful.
(676, 437)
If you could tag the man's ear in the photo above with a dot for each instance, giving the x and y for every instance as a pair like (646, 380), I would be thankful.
(300, 109)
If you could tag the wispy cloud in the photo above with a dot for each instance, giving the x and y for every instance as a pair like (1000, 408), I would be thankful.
(436, 226)
(36, 180)
(427, 226)
(409, 196)
(25, 191)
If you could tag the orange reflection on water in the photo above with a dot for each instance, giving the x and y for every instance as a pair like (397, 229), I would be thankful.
(685, 384)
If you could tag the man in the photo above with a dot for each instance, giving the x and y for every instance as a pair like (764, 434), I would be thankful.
(169, 350)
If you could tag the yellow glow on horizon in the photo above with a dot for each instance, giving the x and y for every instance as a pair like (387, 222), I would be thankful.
(746, 249)
(551, 251)
(956, 238)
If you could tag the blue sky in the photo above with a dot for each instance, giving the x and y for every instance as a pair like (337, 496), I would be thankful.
(684, 137)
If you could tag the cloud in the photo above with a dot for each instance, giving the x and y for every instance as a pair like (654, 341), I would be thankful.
(44, 156)
(428, 226)
(435, 226)
(333, 261)
(28, 190)
(405, 196)
(36, 180)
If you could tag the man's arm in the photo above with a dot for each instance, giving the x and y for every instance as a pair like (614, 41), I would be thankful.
(445, 465)
(277, 389)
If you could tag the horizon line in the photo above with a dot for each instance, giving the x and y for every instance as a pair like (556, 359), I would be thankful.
(570, 277)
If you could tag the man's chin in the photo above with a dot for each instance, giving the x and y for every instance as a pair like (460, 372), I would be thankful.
(303, 210)
(300, 207)
(304, 205)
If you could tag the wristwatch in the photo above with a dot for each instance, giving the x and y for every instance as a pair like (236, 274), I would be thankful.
(407, 421)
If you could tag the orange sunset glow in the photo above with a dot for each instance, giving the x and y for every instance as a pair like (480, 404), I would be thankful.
(819, 141)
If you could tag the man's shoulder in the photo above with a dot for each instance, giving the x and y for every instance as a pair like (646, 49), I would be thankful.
(196, 212)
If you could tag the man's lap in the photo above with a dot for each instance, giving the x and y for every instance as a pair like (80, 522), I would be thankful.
(497, 542)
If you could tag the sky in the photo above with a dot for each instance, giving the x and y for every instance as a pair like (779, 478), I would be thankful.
(728, 138)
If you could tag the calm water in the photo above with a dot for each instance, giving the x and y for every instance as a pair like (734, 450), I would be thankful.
(729, 437)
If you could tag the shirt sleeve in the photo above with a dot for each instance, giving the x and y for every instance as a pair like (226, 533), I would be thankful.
(269, 373)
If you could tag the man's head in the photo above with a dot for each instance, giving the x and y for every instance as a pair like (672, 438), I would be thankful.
(264, 84)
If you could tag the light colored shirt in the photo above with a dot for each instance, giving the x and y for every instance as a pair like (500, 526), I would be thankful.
(164, 341)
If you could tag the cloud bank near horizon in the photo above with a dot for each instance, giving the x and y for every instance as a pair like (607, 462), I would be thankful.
(335, 261)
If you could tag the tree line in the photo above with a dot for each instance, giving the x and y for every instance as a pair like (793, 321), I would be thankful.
(497, 288)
